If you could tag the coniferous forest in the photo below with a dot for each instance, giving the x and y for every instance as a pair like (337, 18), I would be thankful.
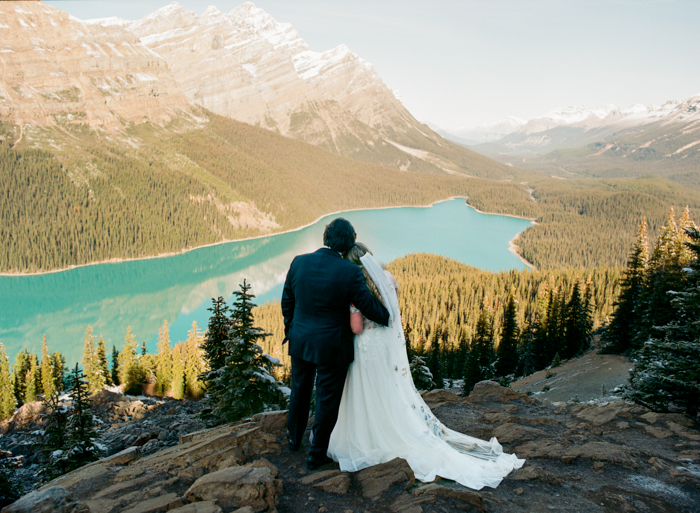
(86, 198)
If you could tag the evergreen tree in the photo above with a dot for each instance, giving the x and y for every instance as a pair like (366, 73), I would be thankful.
(164, 361)
(115, 366)
(666, 376)
(48, 386)
(214, 346)
(577, 337)
(422, 378)
(246, 385)
(91, 364)
(664, 274)
(143, 348)
(507, 353)
(128, 369)
(527, 363)
(33, 381)
(19, 375)
(58, 364)
(80, 425)
(102, 364)
(618, 336)
(55, 437)
(178, 386)
(479, 365)
(7, 396)
(193, 361)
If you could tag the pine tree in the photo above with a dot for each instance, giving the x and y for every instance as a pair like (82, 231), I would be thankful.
(479, 365)
(48, 386)
(55, 438)
(666, 376)
(19, 375)
(115, 366)
(193, 361)
(143, 348)
(527, 362)
(507, 353)
(58, 364)
(80, 425)
(422, 378)
(164, 361)
(664, 274)
(178, 387)
(214, 346)
(7, 396)
(102, 364)
(246, 384)
(32, 381)
(128, 371)
(91, 366)
(577, 337)
(618, 337)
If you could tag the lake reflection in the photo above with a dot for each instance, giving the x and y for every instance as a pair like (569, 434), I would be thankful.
(143, 293)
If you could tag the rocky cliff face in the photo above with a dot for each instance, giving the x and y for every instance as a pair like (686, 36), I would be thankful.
(247, 66)
(56, 70)
(580, 457)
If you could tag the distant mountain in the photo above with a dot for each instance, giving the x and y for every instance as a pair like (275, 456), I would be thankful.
(57, 70)
(108, 73)
(482, 133)
(573, 127)
(247, 66)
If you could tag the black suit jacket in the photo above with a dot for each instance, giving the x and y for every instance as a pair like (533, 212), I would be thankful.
(316, 307)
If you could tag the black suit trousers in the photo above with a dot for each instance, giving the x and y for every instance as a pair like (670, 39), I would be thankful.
(330, 380)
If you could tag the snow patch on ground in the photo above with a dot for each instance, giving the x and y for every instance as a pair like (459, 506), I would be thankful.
(656, 486)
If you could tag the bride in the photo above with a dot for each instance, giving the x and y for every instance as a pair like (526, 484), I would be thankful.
(382, 416)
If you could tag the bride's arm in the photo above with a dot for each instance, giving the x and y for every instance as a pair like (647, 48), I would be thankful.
(355, 320)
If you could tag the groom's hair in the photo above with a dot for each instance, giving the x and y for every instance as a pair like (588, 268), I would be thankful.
(339, 235)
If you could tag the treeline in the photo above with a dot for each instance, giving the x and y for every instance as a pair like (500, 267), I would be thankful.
(173, 370)
(657, 317)
(446, 306)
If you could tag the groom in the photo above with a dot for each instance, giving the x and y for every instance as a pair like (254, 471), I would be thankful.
(316, 300)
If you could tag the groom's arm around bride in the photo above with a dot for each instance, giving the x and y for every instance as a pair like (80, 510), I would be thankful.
(316, 300)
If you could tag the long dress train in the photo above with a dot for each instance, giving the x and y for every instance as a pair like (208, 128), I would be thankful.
(382, 415)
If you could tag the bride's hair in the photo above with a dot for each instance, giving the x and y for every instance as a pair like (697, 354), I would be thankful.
(353, 255)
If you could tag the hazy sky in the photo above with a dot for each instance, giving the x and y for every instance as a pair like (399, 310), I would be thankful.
(461, 63)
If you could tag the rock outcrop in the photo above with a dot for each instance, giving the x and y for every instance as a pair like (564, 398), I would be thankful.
(580, 457)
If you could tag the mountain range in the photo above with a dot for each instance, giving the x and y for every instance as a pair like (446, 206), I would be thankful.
(108, 73)
(604, 142)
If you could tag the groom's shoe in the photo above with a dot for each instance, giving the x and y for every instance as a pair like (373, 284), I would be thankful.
(316, 463)
(291, 446)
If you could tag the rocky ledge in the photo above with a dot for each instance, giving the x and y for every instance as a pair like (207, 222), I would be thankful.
(580, 457)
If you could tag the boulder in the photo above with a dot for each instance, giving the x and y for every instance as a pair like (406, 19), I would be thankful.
(236, 487)
(532, 472)
(272, 420)
(492, 391)
(440, 396)
(472, 498)
(51, 500)
(377, 479)
(28, 416)
(156, 504)
(510, 432)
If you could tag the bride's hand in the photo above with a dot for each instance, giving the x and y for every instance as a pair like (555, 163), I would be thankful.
(355, 320)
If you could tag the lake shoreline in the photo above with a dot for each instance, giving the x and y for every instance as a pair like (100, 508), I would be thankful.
(512, 247)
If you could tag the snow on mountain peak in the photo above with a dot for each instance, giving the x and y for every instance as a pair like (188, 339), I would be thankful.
(570, 115)
(211, 11)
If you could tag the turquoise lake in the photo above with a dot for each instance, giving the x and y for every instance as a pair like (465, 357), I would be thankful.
(143, 293)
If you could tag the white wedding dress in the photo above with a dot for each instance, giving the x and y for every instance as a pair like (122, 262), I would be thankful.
(382, 416)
